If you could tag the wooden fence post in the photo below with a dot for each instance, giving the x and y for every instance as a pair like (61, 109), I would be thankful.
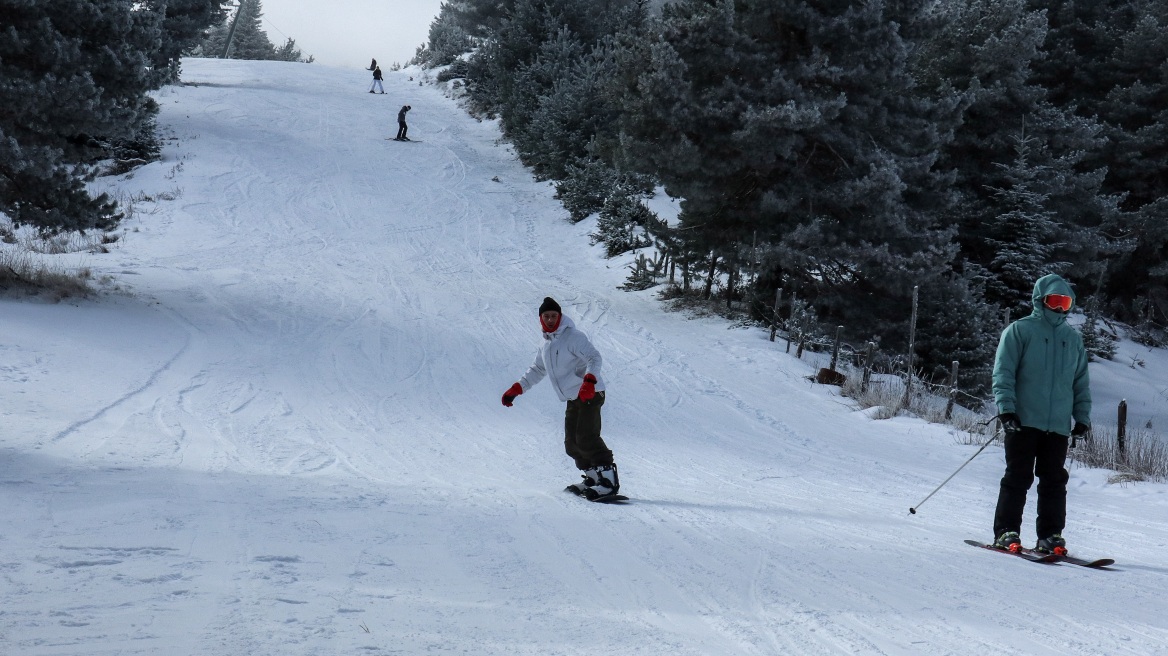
(835, 348)
(794, 297)
(775, 320)
(867, 367)
(1121, 431)
(912, 338)
(952, 392)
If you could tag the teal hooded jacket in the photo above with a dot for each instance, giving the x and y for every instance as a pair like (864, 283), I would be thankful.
(1040, 372)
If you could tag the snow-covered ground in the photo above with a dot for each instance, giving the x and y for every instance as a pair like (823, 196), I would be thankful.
(285, 436)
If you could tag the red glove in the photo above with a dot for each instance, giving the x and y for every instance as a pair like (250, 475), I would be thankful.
(588, 389)
(511, 393)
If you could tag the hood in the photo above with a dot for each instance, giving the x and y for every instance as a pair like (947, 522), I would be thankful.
(1050, 284)
(565, 324)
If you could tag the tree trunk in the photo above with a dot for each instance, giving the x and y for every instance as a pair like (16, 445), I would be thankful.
(730, 286)
(709, 290)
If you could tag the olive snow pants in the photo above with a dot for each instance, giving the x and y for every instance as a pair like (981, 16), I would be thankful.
(582, 439)
(1031, 452)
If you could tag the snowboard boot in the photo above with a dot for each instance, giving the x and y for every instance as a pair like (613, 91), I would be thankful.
(589, 477)
(1054, 544)
(1009, 541)
(607, 482)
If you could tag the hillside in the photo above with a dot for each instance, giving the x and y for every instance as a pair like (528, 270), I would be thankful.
(283, 435)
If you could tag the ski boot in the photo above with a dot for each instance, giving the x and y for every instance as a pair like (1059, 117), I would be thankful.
(607, 482)
(1054, 544)
(1009, 541)
(580, 489)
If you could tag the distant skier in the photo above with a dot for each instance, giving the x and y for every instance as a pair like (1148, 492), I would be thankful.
(372, 65)
(401, 124)
(572, 364)
(376, 80)
(1040, 385)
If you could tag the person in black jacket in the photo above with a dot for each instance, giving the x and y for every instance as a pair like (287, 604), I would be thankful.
(401, 124)
(376, 81)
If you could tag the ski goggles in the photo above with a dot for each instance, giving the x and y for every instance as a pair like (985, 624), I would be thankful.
(1058, 302)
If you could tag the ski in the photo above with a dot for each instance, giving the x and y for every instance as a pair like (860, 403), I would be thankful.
(1098, 563)
(608, 498)
(409, 140)
(1075, 560)
(1049, 559)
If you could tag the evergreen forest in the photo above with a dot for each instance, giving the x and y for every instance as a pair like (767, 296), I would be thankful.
(850, 152)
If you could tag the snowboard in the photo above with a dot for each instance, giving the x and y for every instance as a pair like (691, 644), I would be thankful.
(404, 140)
(608, 498)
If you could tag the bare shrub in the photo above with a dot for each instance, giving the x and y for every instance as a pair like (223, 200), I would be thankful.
(22, 272)
(26, 265)
(1145, 455)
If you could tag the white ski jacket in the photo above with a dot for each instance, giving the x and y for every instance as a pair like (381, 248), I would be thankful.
(565, 357)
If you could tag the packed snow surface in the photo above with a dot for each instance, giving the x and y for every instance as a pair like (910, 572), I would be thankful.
(283, 434)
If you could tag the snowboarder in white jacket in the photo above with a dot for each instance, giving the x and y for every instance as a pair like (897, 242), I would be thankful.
(572, 364)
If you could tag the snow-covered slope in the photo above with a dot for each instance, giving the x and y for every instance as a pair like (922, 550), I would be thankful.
(287, 437)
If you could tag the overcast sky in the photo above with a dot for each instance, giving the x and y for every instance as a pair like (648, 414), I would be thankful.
(351, 32)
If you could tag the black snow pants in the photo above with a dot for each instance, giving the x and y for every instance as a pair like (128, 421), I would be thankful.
(1031, 452)
(582, 439)
(401, 130)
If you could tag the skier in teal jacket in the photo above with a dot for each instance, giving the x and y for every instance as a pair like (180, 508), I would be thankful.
(1043, 395)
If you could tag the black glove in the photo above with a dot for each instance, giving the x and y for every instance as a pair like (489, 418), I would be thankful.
(1010, 422)
(1080, 429)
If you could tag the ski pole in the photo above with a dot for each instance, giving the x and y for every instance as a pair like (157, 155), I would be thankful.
(913, 510)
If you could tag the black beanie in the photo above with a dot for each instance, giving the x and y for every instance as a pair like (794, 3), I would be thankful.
(549, 304)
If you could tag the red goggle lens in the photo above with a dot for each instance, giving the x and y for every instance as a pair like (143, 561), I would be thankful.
(1059, 302)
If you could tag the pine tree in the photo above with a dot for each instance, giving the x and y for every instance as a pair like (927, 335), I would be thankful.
(1099, 344)
(183, 27)
(290, 53)
(986, 50)
(447, 39)
(957, 324)
(799, 121)
(623, 222)
(588, 182)
(75, 81)
(546, 73)
(1022, 234)
(249, 40)
(1109, 59)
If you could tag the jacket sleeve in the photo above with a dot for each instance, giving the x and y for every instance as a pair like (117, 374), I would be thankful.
(1081, 410)
(1005, 375)
(535, 372)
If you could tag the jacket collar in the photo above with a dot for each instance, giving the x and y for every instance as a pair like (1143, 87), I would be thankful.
(565, 324)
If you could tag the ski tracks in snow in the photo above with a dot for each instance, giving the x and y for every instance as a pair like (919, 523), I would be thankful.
(306, 452)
